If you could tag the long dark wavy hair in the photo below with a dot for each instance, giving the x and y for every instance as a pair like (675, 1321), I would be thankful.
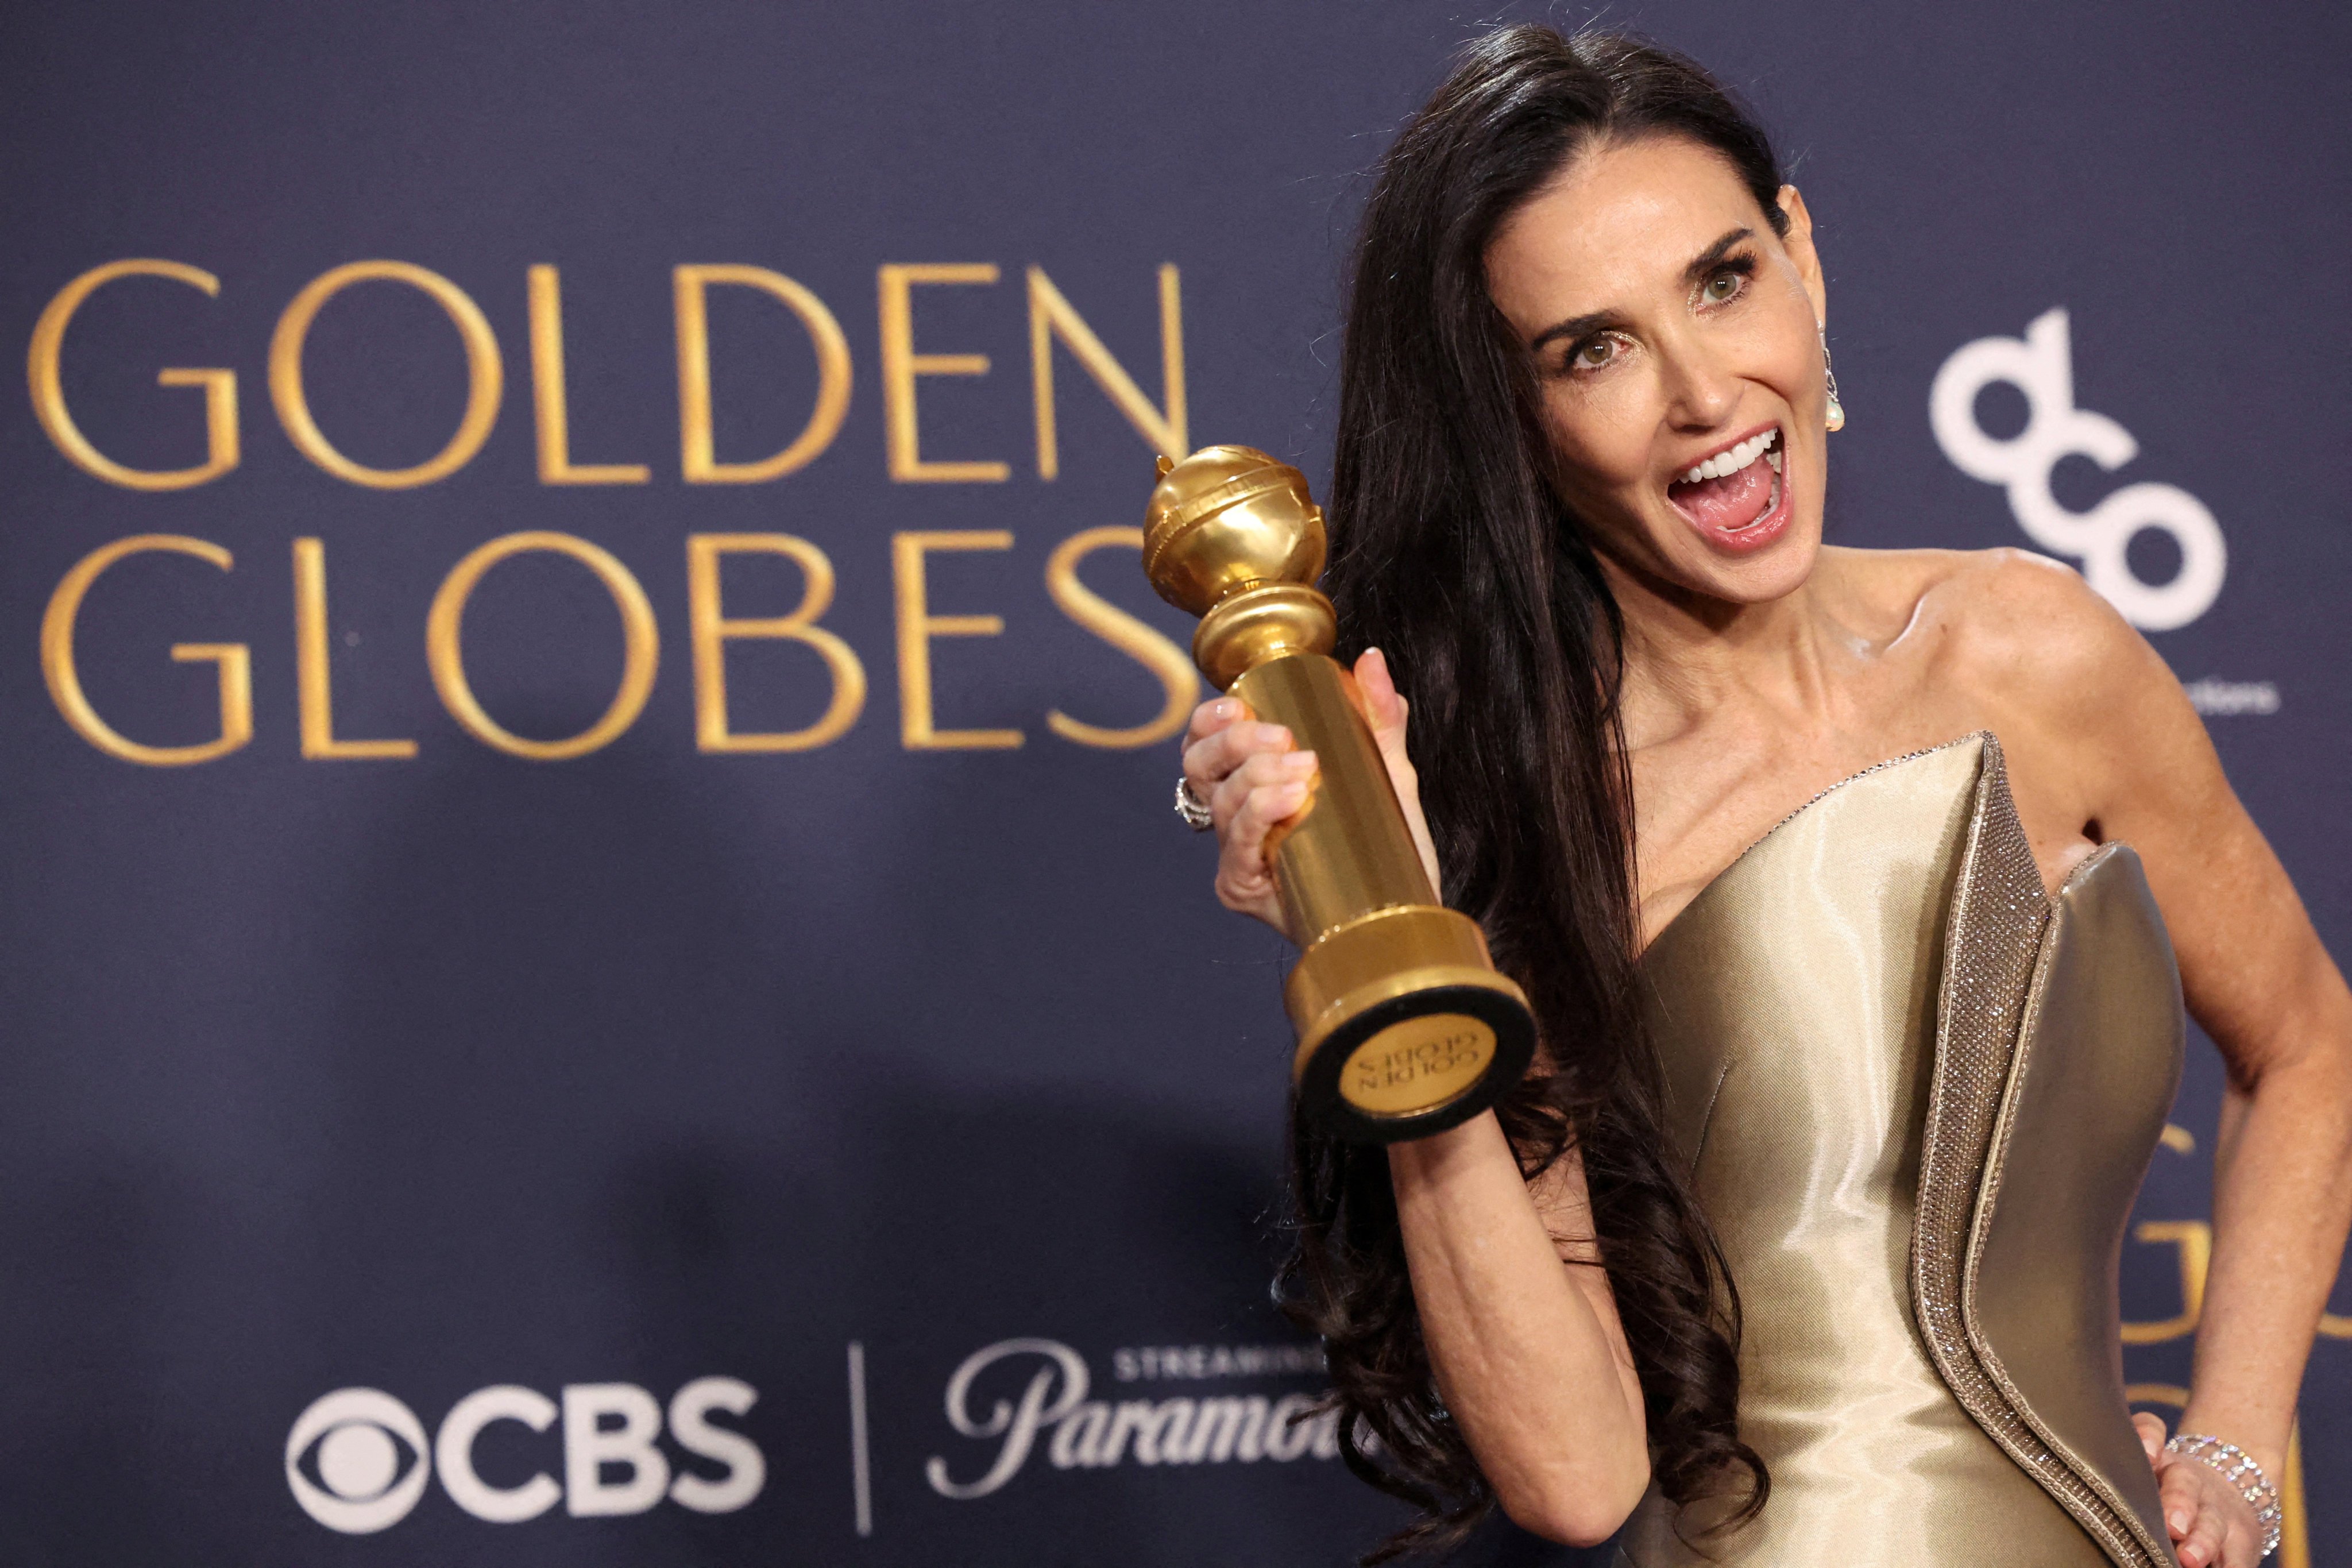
(1451, 553)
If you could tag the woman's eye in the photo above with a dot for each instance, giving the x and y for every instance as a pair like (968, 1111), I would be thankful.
(1593, 355)
(1723, 286)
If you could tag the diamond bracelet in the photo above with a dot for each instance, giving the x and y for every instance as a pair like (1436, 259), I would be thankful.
(2236, 1467)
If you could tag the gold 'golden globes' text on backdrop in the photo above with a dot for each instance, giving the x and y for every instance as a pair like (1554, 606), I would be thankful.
(1404, 1026)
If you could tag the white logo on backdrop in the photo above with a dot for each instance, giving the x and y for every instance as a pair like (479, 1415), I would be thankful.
(2041, 365)
(1094, 1434)
(365, 1480)
(357, 1459)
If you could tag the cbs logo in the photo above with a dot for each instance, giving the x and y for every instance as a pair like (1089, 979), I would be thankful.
(358, 1460)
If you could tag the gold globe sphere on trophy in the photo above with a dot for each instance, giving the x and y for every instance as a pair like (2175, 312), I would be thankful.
(1404, 1026)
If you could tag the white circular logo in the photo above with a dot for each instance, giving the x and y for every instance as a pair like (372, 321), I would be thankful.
(2041, 365)
(356, 1461)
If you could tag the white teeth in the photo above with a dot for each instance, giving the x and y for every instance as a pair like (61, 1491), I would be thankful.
(1737, 457)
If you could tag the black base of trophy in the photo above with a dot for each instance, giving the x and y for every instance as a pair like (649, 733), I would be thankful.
(1416, 1064)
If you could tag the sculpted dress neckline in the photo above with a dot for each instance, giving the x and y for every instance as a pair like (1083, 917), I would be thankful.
(1915, 1095)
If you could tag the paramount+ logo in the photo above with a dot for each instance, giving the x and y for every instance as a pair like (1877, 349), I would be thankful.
(358, 1460)
(1054, 1412)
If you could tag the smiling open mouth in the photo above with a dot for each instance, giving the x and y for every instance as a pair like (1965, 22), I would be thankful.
(1730, 496)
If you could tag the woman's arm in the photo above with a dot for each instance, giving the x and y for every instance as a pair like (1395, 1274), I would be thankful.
(1530, 1355)
(2253, 974)
(1521, 1328)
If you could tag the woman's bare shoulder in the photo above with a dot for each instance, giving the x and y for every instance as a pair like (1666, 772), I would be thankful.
(1900, 583)
(2016, 626)
(2019, 643)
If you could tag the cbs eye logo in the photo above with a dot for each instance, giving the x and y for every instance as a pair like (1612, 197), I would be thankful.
(358, 1460)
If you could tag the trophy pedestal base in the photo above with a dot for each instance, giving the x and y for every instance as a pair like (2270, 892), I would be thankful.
(1405, 1027)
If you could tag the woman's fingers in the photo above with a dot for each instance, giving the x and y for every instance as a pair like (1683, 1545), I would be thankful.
(1211, 720)
(1385, 710)
(1214, 757)
(2151, 1433)
(2201, 1547)
(1384, 707)
(1263, 781)
(2177, 1487)
(2203, 1512)
(1265, 791)
(1213, 716)
(1251, 776)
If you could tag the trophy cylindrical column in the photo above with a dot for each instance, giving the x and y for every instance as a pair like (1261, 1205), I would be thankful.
(1348, 851)
(1399, 1014)
(1404, 1026)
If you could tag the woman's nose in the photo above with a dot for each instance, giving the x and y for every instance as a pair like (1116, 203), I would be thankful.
(1701, 394)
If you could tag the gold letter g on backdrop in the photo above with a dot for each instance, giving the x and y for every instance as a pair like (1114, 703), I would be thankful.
(49, 397)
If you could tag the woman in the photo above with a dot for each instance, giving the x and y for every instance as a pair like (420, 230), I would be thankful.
(1883, 1076)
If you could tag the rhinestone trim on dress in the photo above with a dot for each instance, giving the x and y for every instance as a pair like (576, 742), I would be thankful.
(2000, 915)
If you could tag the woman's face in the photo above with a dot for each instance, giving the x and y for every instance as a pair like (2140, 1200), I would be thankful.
(1675, 341)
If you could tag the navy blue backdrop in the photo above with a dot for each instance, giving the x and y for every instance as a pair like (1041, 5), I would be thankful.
(471, 1098)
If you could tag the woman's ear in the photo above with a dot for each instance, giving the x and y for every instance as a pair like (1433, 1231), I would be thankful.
(1799, 243)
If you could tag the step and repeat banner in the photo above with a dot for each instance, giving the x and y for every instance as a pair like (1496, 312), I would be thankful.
(597, 967)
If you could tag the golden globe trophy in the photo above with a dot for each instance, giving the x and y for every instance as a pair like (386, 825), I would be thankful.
(1404, 1026)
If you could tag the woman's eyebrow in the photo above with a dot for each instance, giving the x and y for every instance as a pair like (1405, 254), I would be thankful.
(1707, 261)
(1574, 327)
(1712, 256)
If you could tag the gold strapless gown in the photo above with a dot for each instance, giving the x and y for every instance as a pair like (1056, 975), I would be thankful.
(1917, 1096)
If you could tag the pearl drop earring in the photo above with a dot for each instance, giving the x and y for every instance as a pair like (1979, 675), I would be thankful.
(1829, 375)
